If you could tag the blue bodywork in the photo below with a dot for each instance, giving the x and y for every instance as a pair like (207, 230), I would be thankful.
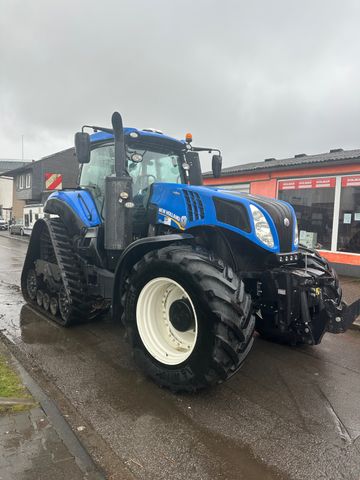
(172, 211)
(82, 203)
(173, 206)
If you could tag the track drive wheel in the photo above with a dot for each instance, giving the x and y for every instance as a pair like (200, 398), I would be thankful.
(54, 306)
(188, 318)
(39, 297)
(64, 305)
(46, 301)
(31, 284)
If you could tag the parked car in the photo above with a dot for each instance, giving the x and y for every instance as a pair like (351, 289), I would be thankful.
(17, 229)
(31, 214)
(3, 225)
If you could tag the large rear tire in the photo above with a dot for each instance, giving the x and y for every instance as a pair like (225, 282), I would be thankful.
(188, 318)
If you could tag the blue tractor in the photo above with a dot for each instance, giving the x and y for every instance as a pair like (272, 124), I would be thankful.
(190, 270)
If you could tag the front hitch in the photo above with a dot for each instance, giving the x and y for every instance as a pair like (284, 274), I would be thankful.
(301, 304)
(341, 316)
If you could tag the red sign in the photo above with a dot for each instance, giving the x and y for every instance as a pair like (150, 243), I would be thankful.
(351, 181)
(53, 181)
(325, 182)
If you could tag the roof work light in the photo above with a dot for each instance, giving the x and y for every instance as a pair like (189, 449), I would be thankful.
(188, 137)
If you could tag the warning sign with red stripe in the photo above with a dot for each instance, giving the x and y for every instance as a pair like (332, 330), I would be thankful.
(325, 182)
(53, 181)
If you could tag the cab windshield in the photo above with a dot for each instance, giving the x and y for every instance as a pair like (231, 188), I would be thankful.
(151, 166)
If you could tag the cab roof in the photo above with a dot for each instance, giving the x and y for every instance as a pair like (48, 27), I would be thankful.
(102, 136)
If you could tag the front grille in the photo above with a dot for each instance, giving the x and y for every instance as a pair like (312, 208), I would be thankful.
(232, 213)
(194, 205)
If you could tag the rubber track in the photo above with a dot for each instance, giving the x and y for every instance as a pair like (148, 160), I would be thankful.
(71, 274)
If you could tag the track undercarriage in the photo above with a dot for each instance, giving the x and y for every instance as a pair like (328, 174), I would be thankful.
(52, 280)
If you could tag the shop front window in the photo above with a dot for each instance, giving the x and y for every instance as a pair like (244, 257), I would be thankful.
(349, 218)
(313, 202)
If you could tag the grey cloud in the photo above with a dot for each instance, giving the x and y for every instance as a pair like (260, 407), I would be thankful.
(256, 78)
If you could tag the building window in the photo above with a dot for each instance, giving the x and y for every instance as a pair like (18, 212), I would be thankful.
(237, 187)
(28, 180)
(313, 202)
(349, 216)
(21, 182)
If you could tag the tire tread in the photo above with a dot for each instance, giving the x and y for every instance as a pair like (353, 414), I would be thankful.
(230, 305)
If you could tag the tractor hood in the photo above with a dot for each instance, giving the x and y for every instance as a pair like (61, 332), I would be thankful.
(269, 223)
(265, 222)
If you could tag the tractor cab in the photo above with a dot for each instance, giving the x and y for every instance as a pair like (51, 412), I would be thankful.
(142, 159)
(150, 158)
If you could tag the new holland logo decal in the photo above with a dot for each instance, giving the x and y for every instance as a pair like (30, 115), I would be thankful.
(172, 217)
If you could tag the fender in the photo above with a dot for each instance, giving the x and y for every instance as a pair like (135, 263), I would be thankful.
(132, 254)
(77, 209)
(73, 223)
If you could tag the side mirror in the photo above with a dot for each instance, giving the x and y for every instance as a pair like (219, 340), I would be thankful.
(82, 147)
(193, 160)
(216, 165)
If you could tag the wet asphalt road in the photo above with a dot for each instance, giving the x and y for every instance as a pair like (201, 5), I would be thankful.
(289, 413)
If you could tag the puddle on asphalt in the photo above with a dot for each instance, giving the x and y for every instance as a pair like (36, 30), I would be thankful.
(11, 303)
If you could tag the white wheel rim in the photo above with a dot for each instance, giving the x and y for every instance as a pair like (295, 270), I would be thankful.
(159, 336)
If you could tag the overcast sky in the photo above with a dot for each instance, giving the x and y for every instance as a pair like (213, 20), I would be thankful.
(256, 78)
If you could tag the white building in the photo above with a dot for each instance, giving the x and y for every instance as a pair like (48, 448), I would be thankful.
(6, 187)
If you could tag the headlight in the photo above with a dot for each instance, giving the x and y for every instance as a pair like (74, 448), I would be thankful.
(262, 227)
(296, 234)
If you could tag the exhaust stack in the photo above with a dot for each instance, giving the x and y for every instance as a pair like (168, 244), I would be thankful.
(118, 195)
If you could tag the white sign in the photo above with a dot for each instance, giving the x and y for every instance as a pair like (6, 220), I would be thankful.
(309, 239)
(347, 218)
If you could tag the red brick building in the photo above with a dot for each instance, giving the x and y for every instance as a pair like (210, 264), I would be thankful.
(324, 190)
